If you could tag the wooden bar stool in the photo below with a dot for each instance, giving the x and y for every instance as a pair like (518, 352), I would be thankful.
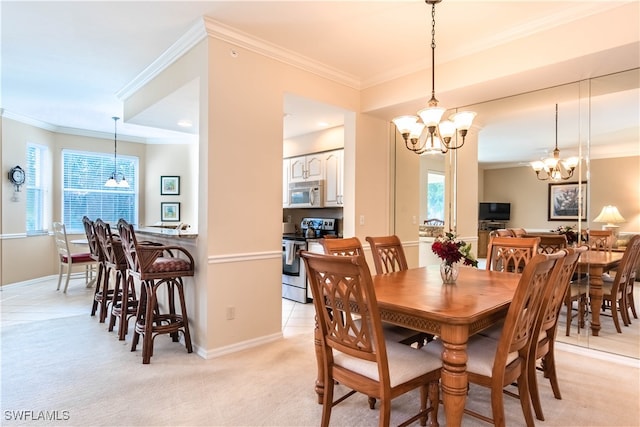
(102, 281)
(124, 302)
(156, 267)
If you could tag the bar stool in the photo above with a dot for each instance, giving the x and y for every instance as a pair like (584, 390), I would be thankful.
(102, 281)
(156, 267)
(124, 302)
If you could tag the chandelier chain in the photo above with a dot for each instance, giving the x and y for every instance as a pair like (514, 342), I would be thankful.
(433, 53)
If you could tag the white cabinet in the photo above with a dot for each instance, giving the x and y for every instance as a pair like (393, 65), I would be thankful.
(333, 186)
(285, 183)
(314, 246)
(306, 168)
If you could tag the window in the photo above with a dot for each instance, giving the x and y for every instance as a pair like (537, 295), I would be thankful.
(435, 195)
(36, 169)
(84, 174)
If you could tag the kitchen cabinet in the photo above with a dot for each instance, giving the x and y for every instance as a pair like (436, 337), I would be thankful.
(306, 168)
(333, 185)
(285, 183)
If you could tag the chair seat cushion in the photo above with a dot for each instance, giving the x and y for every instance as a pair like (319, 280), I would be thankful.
(405, 363)
(81, 257)
(168, 264)
(481, 351)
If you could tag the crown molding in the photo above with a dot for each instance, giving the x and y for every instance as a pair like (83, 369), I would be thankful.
(184, 44)
(247, 41)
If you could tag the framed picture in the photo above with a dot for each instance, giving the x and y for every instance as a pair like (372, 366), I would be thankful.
(567, 201)
(169, 185)
(170, 211)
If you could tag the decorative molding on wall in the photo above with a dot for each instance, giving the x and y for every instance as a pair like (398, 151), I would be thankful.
(251, 256)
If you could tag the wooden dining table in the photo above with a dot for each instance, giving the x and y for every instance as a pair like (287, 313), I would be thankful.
(417, 299)
(597, 263)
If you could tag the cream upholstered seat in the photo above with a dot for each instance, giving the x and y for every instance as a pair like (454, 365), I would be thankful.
(510, 253)
(68, 259)
(354, 350)
(497, 363)
(545, 329)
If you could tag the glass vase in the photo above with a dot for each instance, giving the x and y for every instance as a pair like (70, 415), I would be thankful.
(449, 273)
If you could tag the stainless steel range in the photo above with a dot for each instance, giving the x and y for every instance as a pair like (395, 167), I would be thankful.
(294, 277)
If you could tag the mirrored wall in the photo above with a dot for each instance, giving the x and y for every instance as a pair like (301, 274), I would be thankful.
(598, 121)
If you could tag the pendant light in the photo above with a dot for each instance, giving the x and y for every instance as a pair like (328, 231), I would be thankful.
(116, 179)
(554, 168)
(439, 134)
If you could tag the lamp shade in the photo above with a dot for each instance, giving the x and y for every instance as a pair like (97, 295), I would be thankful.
(610, 215)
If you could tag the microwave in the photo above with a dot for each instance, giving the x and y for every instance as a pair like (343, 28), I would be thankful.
(307, 194)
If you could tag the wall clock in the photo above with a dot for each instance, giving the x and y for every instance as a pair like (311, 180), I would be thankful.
(17, 177)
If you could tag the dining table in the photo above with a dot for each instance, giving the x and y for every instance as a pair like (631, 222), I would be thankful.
(597, 263)
(416, 298)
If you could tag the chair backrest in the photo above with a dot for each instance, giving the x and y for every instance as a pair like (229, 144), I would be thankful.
(129, 245)
(388, 254)
(112, 249)
(601, 240)
(434, 221)
(343, 293)
(523, 312)
(62, 244)
(555, 295)
(511, 253)
(626, 269)
(345, 247)
(550, 243)
(94, 247)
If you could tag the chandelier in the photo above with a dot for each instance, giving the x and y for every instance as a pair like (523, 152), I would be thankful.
(116, 179)
(555, 168)
(439, 134)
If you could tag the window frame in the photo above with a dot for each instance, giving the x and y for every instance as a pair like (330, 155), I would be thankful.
(36, 183)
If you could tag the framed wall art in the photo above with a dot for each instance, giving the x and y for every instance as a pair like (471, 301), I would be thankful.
(169, 185)
(567, 201)
(170, 211)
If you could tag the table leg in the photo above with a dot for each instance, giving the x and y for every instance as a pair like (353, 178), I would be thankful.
(595, 297)
(454, 372)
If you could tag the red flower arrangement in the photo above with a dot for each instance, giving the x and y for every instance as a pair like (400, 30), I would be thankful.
(451, 250)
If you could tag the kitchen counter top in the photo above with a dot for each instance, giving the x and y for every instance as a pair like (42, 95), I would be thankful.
(166, 232)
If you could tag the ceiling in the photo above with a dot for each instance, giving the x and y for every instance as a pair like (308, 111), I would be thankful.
(64, 64)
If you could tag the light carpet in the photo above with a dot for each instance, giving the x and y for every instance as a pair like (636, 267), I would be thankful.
(74, 370)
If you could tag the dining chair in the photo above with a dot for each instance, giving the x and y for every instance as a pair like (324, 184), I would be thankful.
(577, 292)
(67, 259)
(351, 246)
(346, 247)
(101, 295)
(502, 232)
(498, 363)
(543, 347)
(388, 257)
(550, 243)
(614, 294)
(434, 222)
(355, 352)
(156, 267)
(124, 301)
(601, 240)
(510, 254)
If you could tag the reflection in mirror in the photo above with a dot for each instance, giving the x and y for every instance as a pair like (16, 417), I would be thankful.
(597, 121)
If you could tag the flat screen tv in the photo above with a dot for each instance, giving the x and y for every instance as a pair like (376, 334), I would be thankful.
(490, 211)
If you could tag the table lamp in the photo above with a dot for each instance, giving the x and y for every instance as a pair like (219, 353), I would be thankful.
(610, 216)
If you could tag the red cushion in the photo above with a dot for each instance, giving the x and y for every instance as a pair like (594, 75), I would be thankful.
(83, 257)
